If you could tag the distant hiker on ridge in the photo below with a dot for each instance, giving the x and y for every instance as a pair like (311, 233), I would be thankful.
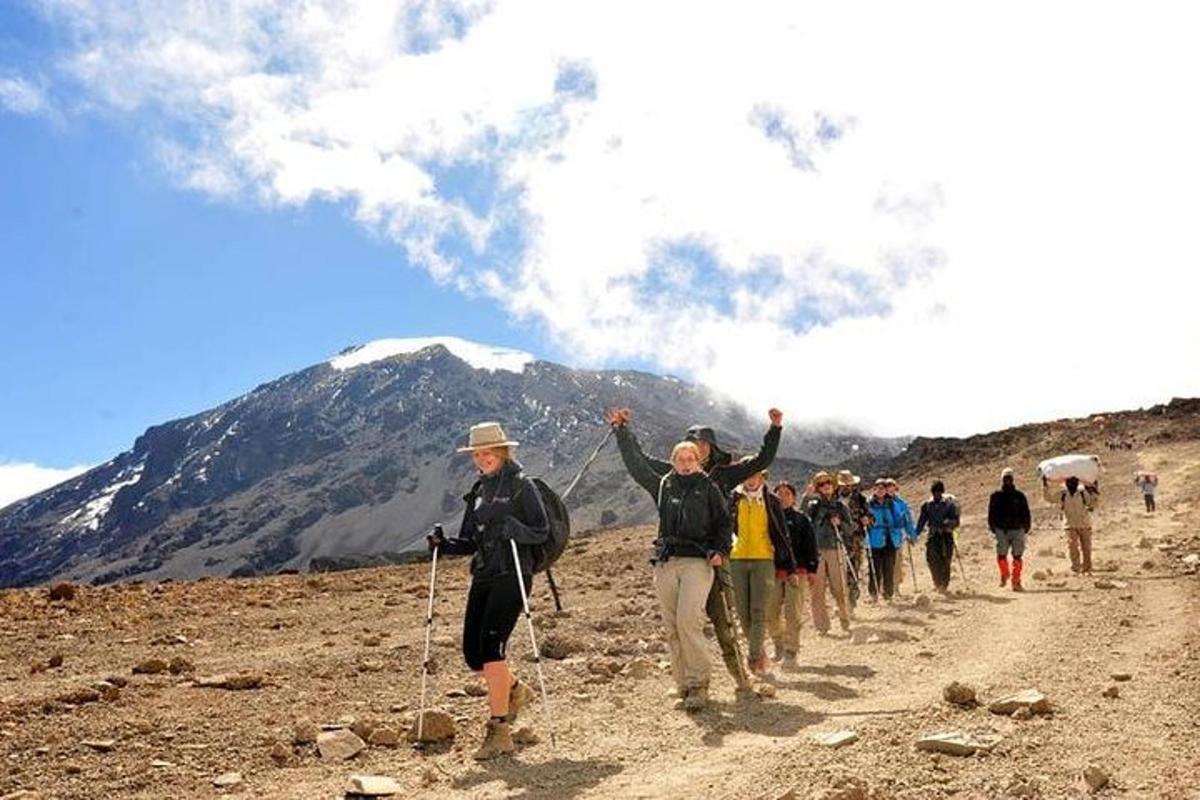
(504, 507)
(1009, 521)
(716, 463)
(1076, 505)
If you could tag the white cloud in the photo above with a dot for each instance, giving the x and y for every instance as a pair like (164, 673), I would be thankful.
(20, 480)
(20, 96)
(916, 217)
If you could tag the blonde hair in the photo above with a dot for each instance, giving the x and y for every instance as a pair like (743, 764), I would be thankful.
(679, 448)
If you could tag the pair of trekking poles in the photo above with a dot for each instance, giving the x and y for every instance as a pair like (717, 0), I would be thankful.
(537, 657)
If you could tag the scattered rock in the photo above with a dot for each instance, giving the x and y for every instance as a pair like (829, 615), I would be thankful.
(100, 745)
(339, 745)
(227, 779)
(1105, 583)
(1145, 543)
(1112, 692)
(526, 736)
(439, 727)
(836, 739)
(844, 788)
(1121, 676)
(922, 601)
(363, 729)
(765, 690)
(1095, 778)
(305, 732)
(1022, 714)
(62, 592)
(281, 753)
(1039, 575)
(117, 680)
(639, 669)
(1191, 560)
(180, 665)
(151, 666)
(456, 694)
(475, 690)
(956, 744)
(55, 661)
(1032, 699)
(159, 763)
(960, 694)
(1022, 788)
(238, 682)
(372, 786)
(78, 697)
(559, 646)
(384, 736)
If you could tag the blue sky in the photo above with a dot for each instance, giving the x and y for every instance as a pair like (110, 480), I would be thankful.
(127, 302)
(197, 197)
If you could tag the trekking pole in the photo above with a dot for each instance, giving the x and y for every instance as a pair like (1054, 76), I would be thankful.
(845, 553)
(428, 638)
(595, 453)
(912, 566)
(734, 627)
(537, 657)
(873, 587)
(958, 558)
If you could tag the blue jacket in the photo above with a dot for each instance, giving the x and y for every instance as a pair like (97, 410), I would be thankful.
(892, 520)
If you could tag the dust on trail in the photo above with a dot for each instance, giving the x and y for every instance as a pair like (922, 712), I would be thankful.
(348, 646)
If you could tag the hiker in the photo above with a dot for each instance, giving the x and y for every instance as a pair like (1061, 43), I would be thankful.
(760, 544)
(717, 464)
(504, 506)
(855, 535)
(890, 525)
(940, 512)
(829, 517)
(1076, 505)
(904, 514)
(1148, 483)
(1009, 521)
(693, 538)
(785, 614)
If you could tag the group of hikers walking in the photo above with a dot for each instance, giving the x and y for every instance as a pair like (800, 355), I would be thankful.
(729, 549)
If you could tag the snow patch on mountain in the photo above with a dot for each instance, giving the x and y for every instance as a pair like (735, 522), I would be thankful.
(89, 516)
(479, 356)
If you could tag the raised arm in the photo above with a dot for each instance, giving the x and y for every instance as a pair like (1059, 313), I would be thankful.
(765, 456)
(647, 472)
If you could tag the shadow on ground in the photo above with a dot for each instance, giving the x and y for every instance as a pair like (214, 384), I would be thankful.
(550, 780)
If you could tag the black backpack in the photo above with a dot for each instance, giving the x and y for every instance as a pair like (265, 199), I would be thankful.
(557, 518)
(544, 555)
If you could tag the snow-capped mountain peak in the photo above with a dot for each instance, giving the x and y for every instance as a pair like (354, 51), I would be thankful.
(479, 356)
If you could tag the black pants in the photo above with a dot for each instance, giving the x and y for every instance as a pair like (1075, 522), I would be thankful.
(939, 553)
(884, 561)
(1149, 501)
(493, 608)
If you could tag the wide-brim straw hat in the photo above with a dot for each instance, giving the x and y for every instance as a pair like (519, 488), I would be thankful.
(847, 478)
(486, 435)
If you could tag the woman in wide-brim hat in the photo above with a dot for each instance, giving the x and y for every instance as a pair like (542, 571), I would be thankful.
(502, 507)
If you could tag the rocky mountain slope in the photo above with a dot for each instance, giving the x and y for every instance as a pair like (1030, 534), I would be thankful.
(219, 687)
(354, 458)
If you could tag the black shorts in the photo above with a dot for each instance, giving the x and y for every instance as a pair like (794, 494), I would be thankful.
(493, 607)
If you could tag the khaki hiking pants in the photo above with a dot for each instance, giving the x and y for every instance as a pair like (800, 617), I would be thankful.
(828, 575)
(785, 614)
(1080, 539)
(682, 585)
(752, 580)
(723, 625)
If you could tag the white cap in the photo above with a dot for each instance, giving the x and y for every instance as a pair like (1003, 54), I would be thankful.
(1007, 472)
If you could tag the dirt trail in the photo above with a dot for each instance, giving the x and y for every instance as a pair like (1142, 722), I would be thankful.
(347, 646)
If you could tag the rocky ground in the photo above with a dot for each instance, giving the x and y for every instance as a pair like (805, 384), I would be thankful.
(219, 687)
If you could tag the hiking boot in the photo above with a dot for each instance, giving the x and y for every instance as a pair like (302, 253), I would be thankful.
(497, 741)
(1017, 587)
(790, 661)
(696, 700)
(519, 696)
(845, 625)
(760, 665)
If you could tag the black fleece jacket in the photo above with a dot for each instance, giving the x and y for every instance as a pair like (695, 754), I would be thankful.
(692, 519)
(804, 540)
(724, 473)
(500, 508)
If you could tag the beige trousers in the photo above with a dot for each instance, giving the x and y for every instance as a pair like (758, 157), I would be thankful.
(829, 575)
(785, 614)
(682, 585)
